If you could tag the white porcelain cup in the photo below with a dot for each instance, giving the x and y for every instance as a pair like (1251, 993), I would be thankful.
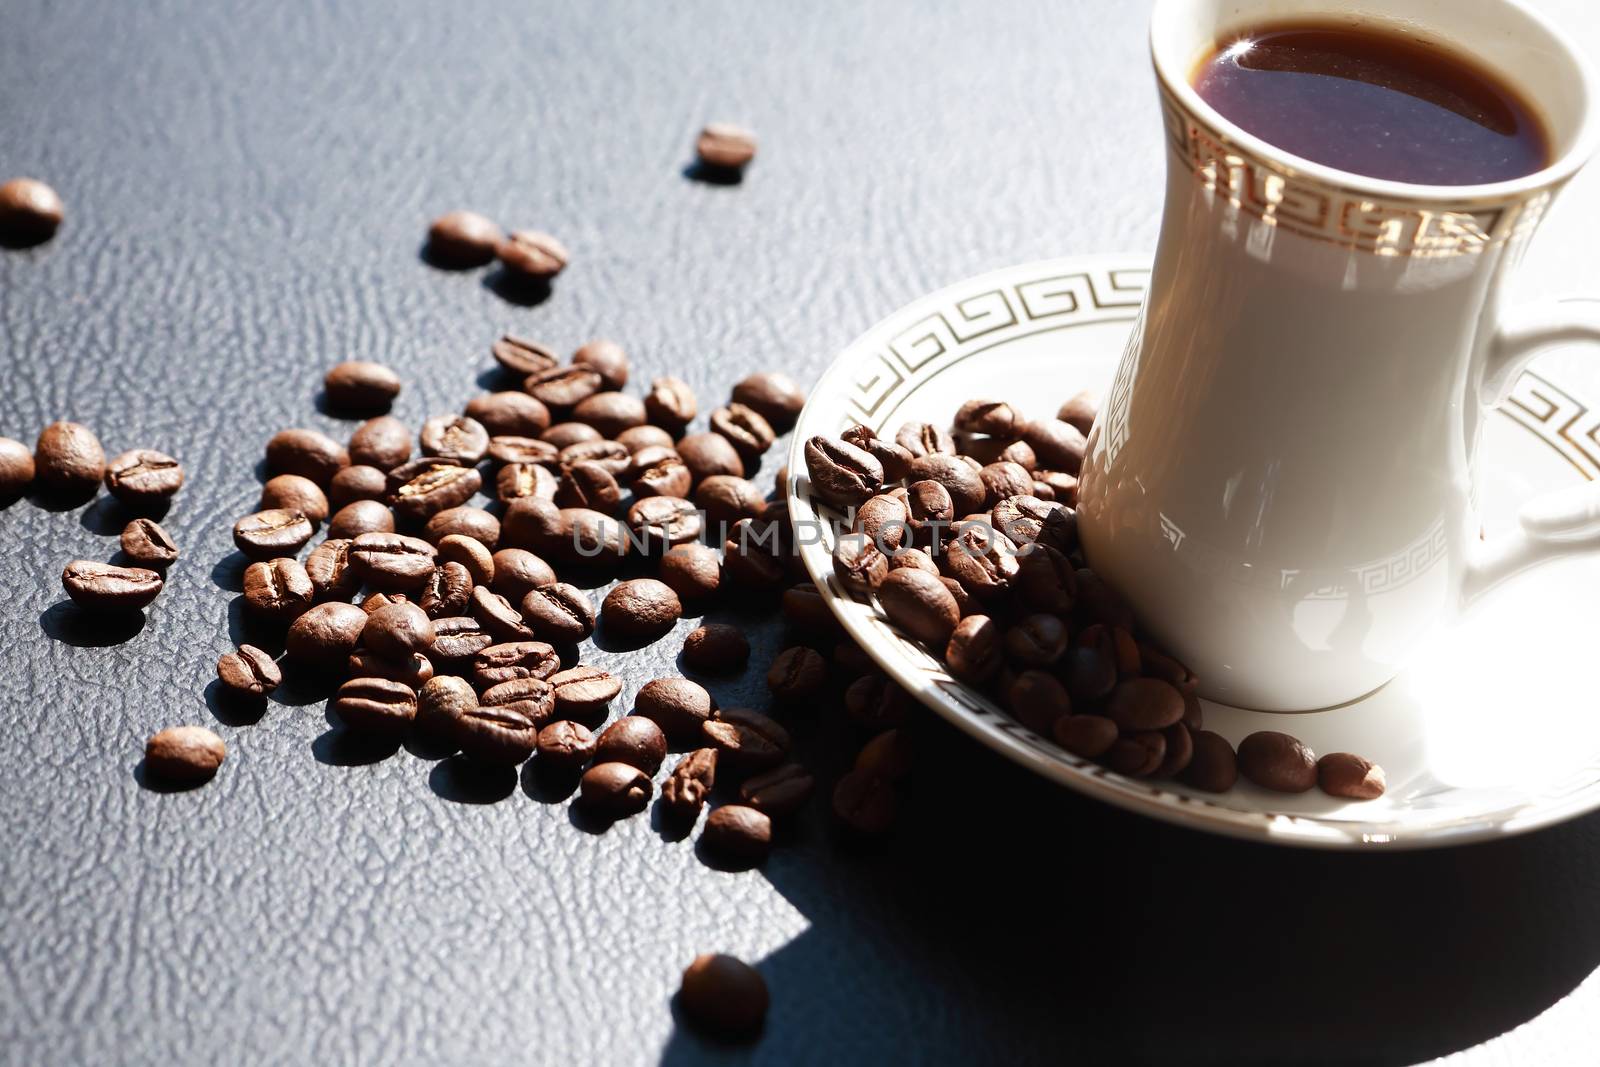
(1281, 480)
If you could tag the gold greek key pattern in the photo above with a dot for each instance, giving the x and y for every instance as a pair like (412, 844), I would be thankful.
(1563, 421)
(1282, 197)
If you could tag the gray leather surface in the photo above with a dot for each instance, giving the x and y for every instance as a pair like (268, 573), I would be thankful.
(247, 187)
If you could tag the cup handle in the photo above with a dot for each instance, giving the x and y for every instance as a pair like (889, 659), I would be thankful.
(1551, 525)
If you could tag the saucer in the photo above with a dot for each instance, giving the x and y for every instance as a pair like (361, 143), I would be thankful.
(1491, 730)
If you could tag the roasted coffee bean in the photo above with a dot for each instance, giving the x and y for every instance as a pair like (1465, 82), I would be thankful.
(378, 706)
(558, 613)
(328, 567)
(513, 660)
(325, 635)
(517, 572)
(661, 474)
(1127, 652)
(1058, 445)
(1028, 520)
(779, 792)
(391, 561)
(1092, 665)
(1180, 750)
(145, 543)
(964, 602)
(684, 792)
(744, 428)
(1079, 411)
(521, 356)
(966, 488)
(708, 454)
(414, 670)
(583, 691)
(993, 417)
(678, 705)
(532, 698)
(249, 671)
(919, 604)
(591, 538)
(513, 449)
(850, 660)
(929, 511)
(982, 559)
(1278, 762)
(383, 442)
(876, 703)
(670, 404)
(508, 414)
(716, 648)
(913, 559)
(615, 789)
(859, 564)
(271, 533)
(724, 146)
(797, 675)
(308, 453)
(610, 413)
(517, 480)
(397, 631)
(608, 358)
(1062, 487)
(496, 736)
(564, 435)
(864, 803)
(30, 211)
(499, 616)
(611, 455)
(361, 517)
(291, 492)
(986, 450)
(456, 437)
(750, 556)
(1145, 704)
(566, 746)
(426, 487)
(588, 485)
(887, 756)
(68, 459)
(1137, 755)
(372, 602)
(359, 385)
(1045, 579)
(278, 589)
(1003, 480)
(1193, 716)
(441, 702)
(634, 740)
(1089, 736)
(535, 524)
(1158, 664)
(727, 498)
(564, 387)
(1213, 767)
(658, 523)
(924, 439)
(747, 742)
(533, 255)
(639, 438)
(16, 469)
(470, 554)
(774, 396)
(841, 474)
(463, 521)
(738, 833)
(804, 608)
(973, 652)
(456, 639)
(886, 520)
(640, 609)
(463, 239)
(1037, 700)
(1037, 641)
(1344, 774)
(143, 477)
(184, 755)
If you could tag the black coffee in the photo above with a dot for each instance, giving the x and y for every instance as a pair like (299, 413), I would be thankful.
(1374, 102)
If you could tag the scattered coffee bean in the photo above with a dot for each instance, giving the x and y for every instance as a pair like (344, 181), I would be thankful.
(533, 254)
(30, 211)
(532, 698)
(850, 660)
(361, 517)
(103, 587)
(463, 239)
(888, 756)
(750, 556)
(724, 997)
(745, 429)
(588, 485)
(659, 523)
(559, 613)
(517, 572)
(145, 543)
(464, 521)
(278, 589)
(456, 640)
(566, 745)
(292, 492)
(739, 833)
(381, 707)
(805, 609)
(271, 533)
(565, 387)
(249, 671)
(328, 567)
(779, 792)
(610, 413)
(383, 442)
(68, 459)
(447, 591)
(747, 742)
(640, 609)
(865, 803)
(513, 660)
(391, 561)
(563, 435)
(326, 635)
(582, 692)
(776, 397)
(498, 737)
(143, 477)
(308, 453)
(397, 631)
(684, 792)
(876, 703)
(797, 675)
(725, 146)
(499, 616)
(694, 571)
(454, 437)
(16, 469)
(638, 438)
(441, 702)
(608, 358)
(425, 487)
(677, 705)
(708, 454)
(521, 356)
(1344, 774)
(615, 789)
(634, 740)
(471, 553)
(414, 670)
(1278, 762)
(184, 755)
(509, 414)
(670, 404)
(360, 385)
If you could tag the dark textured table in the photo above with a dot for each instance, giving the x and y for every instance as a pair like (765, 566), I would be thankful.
(247, 188)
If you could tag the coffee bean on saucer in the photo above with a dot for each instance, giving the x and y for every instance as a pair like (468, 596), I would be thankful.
(328, 567)
(521, 356)
(68, 459)
(423, 488)
(1278, 762)
(414, 670)
(723, 996)
(1137, 755)
(797, 675)
(973, 652)
(615, 789)
(694, 571)
(397, 631)
(512, 660)
(16, 469)
(499, 616)
(738, 833)
(565, 745)
(532, 698)
(634, 740)
(1213, 766)
(517, 572)
(360, 385)
(708, 454)
(454, 437)
(464, 520)
(1091, 666)
(779, 792)
(308, 453)
(913, 559)
(773, 395)
(326, 635)
(1057, 445)
(1044, 579)
(992, 417)
(747, 742)
(684, 792)
(1079, 411)
(533, 254)
(381, 707)
(391, 561)
(456, 639)
(1144, 704)
(725, 146)
(886, 518)
(583, 691)
(961, 480)
(1180, 751)
(1089, 736)
(610, 413)
(143, 477)
(447, 592)
(102, 586)
(1037, 640)
(1038, 700)
(383, 442)
(559, 613)
(859, 564)
(278, 589)
(463, 239)
(249, 671)
(145, 543)
(919, 604)
(184, 755)
(865, 803)
(1004, 479)
(670, 404)
(30, 211)
(361, 517)
(842, 474)
(924, 439)
(1344, 774)
(678, 705)
(640, 609)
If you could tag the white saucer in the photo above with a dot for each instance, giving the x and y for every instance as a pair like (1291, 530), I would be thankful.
(1493, 730)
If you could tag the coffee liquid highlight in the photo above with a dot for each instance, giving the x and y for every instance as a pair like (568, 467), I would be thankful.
(1374, 102)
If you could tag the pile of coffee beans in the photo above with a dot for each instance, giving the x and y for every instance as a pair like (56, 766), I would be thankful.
(967, 539)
